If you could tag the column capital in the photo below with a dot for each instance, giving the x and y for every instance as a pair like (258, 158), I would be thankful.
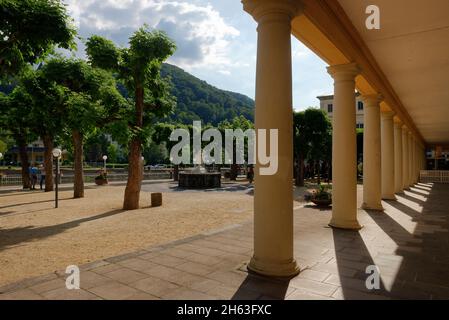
(263, 9)
(387, 114)
(344, 72)
(372, 100)
(397, 121)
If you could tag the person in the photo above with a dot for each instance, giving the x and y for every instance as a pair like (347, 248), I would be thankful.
(33, 176)
(250, 174)
(42, 172)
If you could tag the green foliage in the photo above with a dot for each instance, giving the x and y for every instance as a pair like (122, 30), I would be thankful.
(156, 153)
(138, 67)
(29, 29)
(197, 100)
(3, 147)
(323, 193)
(92, 99)
(102, 53)
(96, 146)
(46, 103)
(113, 153)
(312, 135)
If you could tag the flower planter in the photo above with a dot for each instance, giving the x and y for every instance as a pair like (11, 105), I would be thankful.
(100, 182)
(322, 202)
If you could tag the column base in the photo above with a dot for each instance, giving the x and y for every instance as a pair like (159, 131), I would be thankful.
(376, 207)
(346, 225)
(274, 269)
(389, 197)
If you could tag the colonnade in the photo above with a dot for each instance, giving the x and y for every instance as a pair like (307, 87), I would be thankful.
(391, 160)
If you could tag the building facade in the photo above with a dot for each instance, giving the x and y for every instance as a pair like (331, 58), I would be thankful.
(327, 105)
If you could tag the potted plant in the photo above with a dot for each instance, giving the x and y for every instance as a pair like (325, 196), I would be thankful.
(322, 197)
(102, 178)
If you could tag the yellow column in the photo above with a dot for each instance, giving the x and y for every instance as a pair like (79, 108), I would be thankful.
(372, 154)
(398, 185)
(405, 156)
(344, 162)
(415, 166)
(387, 156)
(410, 159)
(273, 195)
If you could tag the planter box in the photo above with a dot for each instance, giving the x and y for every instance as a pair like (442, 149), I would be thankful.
(100, 182)
(322, 202)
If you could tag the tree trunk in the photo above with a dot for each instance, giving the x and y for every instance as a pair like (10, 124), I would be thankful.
(25, 163)
(176, 172)
(328, 172)
(132, 191)
(318, 171)
(234, 172)
(234, 166)
(78, 183)
(299, 181)
(48, 162)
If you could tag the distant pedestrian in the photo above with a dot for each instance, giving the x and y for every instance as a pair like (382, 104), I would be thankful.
(250, 174)
(33, 176)
(42, 172)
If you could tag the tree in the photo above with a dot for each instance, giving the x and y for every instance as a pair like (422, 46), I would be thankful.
(312, 141)
(139, 68)
(46, 115)
(15, 110)
(300, 145)
(92, 100)
(29, 29)
(236, 123)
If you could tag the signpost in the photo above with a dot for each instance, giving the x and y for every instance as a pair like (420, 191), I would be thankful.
(57, 154)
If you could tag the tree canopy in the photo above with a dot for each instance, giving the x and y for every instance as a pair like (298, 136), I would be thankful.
(312, 130)
(29, 30)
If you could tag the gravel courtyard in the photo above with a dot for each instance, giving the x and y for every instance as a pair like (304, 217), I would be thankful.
(37, 239)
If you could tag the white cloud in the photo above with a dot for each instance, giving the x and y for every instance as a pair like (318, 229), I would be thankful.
(202, 35)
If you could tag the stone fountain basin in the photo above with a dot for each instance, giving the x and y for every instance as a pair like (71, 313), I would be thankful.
(202, 180)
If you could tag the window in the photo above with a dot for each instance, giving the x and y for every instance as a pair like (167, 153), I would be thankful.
(330, 108)
(360, 106)
(359, 126)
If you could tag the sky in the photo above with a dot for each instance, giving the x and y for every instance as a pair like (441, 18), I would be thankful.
(216, 40)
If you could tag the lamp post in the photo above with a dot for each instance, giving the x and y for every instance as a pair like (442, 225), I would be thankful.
(105, 157)
(57, 154)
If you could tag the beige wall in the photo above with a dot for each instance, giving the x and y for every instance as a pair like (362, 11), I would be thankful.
(326, 100)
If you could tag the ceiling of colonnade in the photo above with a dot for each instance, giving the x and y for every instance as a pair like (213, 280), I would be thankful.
(412, 49)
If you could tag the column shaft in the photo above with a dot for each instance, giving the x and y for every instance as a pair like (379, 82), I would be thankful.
(387, 156)
(398, 184)
(273, 194)
(405, 156)
(372, 154)
(410, 159)
(344, 162)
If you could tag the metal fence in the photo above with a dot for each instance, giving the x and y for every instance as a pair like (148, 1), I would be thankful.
(16, 180)
(438, 176)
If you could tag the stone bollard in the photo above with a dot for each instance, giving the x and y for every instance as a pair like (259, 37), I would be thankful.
(156, 199)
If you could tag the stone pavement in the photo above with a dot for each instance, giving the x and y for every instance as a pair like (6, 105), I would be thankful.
(408, 243)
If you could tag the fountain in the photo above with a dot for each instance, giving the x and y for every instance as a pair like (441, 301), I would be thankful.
(199, 178)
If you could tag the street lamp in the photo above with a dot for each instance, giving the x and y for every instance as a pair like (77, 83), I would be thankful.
(56, 155)
(105, 157)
